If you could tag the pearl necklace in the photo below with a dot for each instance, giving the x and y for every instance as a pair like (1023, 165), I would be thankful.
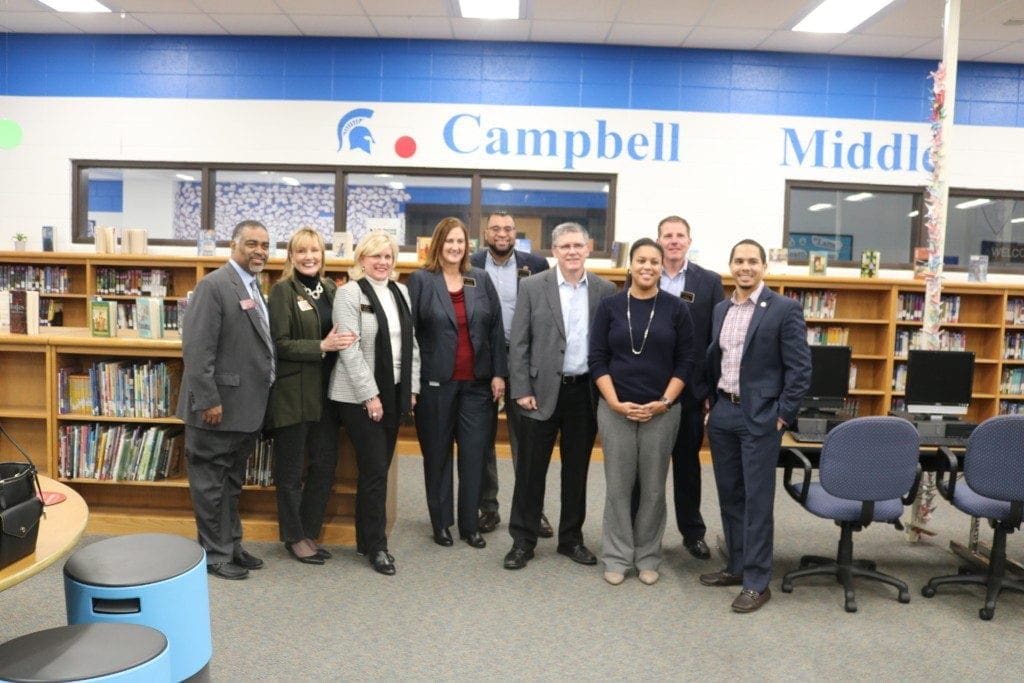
(629, 324)
(314, 293)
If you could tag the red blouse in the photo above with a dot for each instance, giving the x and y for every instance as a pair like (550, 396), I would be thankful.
(464, 346)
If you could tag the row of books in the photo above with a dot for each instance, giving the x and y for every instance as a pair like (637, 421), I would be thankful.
(1012, 381)
(119, 388)
(142, 315)
(817, 303)
(46, 279)
(132, 281)
(1015, 311)
(259, 468)
(1011, 407)
(1013, 346)
(899, 377)
(910, 307)
(907, 340)
(833, 335)
(119, 452)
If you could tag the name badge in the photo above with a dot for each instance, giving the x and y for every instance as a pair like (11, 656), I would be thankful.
(524, 272)
(304, 305)
(688, 297)
(366, 308)
(433, 384)
(247, 304)
(469, 281)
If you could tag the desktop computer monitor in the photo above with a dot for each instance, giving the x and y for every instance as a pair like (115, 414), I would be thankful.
(830, 379)
(939, 382)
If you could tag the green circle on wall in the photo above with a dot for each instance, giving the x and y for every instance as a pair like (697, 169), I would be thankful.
(10, 134)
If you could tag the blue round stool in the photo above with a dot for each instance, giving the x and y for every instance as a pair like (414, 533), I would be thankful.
(156, 580)
(125, 653)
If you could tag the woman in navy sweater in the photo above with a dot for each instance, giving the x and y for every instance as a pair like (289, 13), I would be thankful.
(641, 355)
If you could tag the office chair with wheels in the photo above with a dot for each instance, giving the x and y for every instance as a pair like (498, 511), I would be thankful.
(869, 470)
(993, 488)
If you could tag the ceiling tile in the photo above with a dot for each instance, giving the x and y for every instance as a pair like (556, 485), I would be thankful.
(407, 8)
(236, 7)
(778, 14)
(517, 30)
(663, 11)
(36, 22)
(664, 35)
(790, 41)
(168, 6)
(569, 31)
(726, 38)
(351, 26)
(1013, 53)
(907, 18)
(339, 7)
(969, 49)
(421, 27)
(989, 25)
(930, 50)
(181, 24)
(107, 23)
(884, 46)
(257, 24)
(26, 6)
(572, 10)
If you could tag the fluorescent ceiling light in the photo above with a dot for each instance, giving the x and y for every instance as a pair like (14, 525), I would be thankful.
(819, 207)
(859, 197)
(839, 16)
(606, 188)
(504, 187)
(184, 176)
(489, 9)
(288, 180)
(980, 201)
(913, 214)
(395, 185)
(75, 5)
(1017, 220)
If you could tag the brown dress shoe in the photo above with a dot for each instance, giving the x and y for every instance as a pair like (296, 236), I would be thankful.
(545, 530)
(750, 600)
(488, 522)
(722, 578)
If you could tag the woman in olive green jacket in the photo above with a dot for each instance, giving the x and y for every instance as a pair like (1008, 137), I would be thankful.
(300, 416)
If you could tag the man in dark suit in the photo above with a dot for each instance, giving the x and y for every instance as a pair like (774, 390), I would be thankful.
(759, 368)
(551, 384)
(229, 368)
(506, 267)
(702, 290)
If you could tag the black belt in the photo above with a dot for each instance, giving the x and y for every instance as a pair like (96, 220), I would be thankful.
(576, 379)
(731, 398)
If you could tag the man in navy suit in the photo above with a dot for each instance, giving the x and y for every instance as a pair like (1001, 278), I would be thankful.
(702, 290)
(759, 368)
(506, 266)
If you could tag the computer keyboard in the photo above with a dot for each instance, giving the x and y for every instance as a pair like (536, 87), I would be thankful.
(950, 441)
(807, 437)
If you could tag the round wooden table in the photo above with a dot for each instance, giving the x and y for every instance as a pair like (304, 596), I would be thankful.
(59, 530)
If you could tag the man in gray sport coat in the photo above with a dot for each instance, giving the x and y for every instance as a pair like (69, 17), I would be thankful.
(229, 368)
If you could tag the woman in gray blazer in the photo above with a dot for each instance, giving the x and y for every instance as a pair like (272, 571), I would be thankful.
(375, 382)
(459, 328)
(299, 415)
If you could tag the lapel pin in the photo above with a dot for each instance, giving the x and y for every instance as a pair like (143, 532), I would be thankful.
(764, 304)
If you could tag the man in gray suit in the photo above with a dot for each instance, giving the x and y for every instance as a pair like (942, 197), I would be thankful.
(229, 367)
(551, 385)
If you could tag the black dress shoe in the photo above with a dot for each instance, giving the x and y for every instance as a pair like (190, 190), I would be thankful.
(698, 549)
(488, 522)
(308, 559)
(383, 562)
(443, 537)
(243, 558)
(517, 557)
(545, 530)
(722, 578)
(324, 552)
(474, 539)
(578, 553)
(227, 570)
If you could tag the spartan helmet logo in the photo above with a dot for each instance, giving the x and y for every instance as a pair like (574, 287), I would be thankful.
(351, 128)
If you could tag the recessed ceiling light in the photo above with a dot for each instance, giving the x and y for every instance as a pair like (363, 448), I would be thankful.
(489, 9)
(504, 187)
(859, 197)
(819, 207)
(839, 16)
(75, 5)
(288, 180)
(1017, 220)
(980, 201)
(184, 176)
(395, 185)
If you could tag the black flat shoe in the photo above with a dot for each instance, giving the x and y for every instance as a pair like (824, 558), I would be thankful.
(475, 539)
(383, 563)
(323, 552)
(443, 537)
(310, 559)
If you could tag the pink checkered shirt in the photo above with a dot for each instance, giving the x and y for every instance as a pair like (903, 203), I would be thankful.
(730, 340)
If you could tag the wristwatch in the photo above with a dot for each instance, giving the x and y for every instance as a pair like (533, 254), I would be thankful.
(667, 401)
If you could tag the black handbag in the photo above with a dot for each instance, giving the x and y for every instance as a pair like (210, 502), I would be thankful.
(20, 508)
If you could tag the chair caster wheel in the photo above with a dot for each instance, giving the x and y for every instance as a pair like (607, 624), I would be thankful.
(787, 587)
(986, 614)
(928, 591)
(904, 597)
(851, 607)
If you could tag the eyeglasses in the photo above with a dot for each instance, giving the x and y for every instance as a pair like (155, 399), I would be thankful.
(501, 228)
(575, 246)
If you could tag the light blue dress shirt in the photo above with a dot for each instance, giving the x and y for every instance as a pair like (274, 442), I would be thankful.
(505, 279)
(674, 285)
(576, 318)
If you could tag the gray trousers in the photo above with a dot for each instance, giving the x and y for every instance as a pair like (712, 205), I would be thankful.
(513, 421)
(634, 451)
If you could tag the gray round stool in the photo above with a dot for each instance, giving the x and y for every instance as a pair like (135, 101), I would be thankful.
(125, 653)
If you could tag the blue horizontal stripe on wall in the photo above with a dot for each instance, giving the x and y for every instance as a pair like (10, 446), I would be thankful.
(106, 195)
(528, 74)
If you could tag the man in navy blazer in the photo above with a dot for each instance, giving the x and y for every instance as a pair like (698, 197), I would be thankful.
(759, 368)
(701, 289)
(506, 266)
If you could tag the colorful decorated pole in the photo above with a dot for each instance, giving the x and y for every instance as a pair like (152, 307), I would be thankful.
(936, 204)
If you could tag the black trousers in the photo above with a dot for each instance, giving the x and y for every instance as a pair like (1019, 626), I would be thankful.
(301, 503)
(454, 412)
(216, 470)
(374, 443)
(513, 422)
(575, 422)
